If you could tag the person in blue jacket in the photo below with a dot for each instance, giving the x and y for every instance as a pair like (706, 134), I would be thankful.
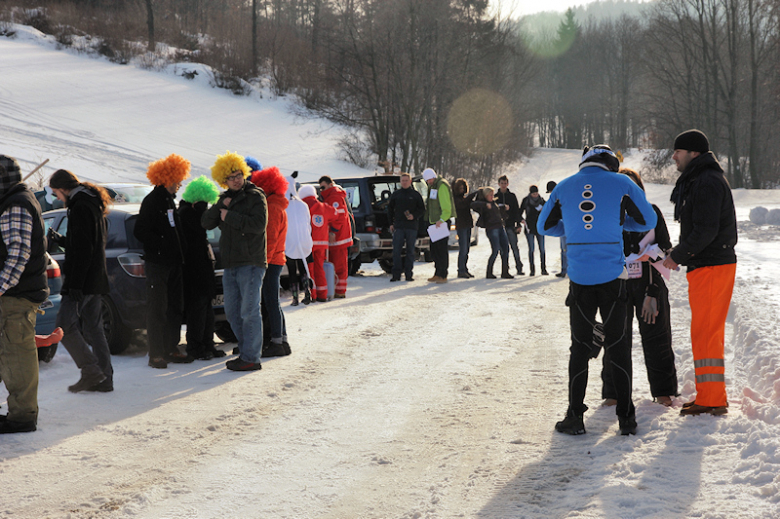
(591, 209)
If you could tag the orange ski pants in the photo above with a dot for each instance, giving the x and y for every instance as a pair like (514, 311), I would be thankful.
(709, 294)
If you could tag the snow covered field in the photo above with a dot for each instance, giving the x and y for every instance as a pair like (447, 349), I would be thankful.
(403, 401)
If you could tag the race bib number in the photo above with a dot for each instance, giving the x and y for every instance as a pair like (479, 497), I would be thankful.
(434, 194)
(318, 220)
(634, 269)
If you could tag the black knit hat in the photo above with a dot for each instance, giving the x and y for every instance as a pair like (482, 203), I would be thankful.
(533, 189)
(550, 186)
(692, 140)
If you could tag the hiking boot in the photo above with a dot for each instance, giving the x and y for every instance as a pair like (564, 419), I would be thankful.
(242, 365)
(9, 427)
(276, 349)
(180, 358)
(339, 296)
(106, 386)
(627, 425)
(696, 409)
(433, 279)
(689, 404)
(158, 362)
(441, 281)
(572, 424)
(86, 382)
(294, 290)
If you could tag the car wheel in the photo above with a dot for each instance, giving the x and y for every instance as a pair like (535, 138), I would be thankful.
(354, 266)
(117, 336)
(46, 353)
(224, 332)
(386, 264)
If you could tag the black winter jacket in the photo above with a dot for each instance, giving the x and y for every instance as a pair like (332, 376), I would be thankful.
(463, 218)
(85, 243)
(405, 200)
(198, 272)
(705, 209)
(514, 214)
(491, 217)
(158, 227)
(532, 209)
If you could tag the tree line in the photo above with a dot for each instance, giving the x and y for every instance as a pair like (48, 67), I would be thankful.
(446, 84)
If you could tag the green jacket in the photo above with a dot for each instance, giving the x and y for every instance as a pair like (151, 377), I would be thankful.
(242, 241)
(440, 207)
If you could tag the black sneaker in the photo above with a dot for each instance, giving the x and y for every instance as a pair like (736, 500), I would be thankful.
(463, 275)
(9, 427)
(394, 279)
(86, 382)
(627, 425)
(106, 386)
(572, 424)
(242, 365)
(276, 349)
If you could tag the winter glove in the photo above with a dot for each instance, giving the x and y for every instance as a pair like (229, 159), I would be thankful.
(76, 294)
(650, 309)
(54, 237)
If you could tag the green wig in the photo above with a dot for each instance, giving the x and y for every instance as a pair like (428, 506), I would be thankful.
(202, 189)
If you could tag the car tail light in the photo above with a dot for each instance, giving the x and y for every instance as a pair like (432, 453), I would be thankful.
(133, 264)
(53, 269)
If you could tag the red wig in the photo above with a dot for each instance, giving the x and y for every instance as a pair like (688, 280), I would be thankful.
(270, 180)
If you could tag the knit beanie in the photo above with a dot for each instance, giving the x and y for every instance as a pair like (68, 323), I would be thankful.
(550, 186)
(168, 171)
(692, 140)
(533, 189)
(202, 189)
(429, 174)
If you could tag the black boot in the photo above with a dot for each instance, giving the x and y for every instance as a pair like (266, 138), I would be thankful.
(505, 273)
(544, 266)
(306, 291)
(294, 290)
(490, 275)
(572, 424)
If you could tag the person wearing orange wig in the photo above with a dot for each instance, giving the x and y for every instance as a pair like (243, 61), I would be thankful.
(273, 183)
(158, 228)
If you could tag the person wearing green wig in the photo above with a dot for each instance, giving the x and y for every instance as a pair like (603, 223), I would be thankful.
(198, 274)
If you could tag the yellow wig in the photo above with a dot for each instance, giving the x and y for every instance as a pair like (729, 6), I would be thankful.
(170, 170)
(226, 165)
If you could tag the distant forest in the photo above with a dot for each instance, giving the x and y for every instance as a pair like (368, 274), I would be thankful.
(445, 84)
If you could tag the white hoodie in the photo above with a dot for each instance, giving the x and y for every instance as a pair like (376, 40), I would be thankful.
(299, 243)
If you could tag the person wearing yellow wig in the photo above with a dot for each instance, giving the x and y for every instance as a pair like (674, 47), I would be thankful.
(241, 213)
(158, 227)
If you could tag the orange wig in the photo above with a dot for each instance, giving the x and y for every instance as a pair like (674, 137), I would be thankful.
(168, 171)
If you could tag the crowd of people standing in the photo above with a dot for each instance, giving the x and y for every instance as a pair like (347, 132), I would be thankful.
(614, 247)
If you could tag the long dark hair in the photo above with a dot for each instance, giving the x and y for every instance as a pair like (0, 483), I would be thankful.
(64, 179)
(460, 188)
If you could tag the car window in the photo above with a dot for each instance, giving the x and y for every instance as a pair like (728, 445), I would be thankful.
(422, 187)
(128, 240)
(353, 194)
(381, 191)
(213, 236)
(62, 228)
(129, 194)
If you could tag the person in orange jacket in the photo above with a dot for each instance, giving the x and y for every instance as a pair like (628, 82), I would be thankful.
(322, 217)
(336, 197)
(273, 183)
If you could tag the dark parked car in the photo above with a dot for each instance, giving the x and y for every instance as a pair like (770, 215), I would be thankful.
(46, 322)
(124, 307)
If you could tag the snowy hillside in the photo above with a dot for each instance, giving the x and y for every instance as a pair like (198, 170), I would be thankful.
(405, 400)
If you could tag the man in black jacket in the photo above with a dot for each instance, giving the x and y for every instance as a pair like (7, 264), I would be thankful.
(158, 227)
(531, 206)
(512, 223)
(404, 210)
(85, 280)
(704, 206)
(23, 288)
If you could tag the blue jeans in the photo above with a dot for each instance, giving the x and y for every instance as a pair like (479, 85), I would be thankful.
(498, 243)
(511, 237)
(542, 256)
(403, 237)
(464, 244)
(564, 259)
(242, 308)
(270, 295)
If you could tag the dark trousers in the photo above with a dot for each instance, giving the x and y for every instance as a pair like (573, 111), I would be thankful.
(270, 302)
(609, 299)
(163, 308)
(441, 257)
(511, 237)
(200, 323)
(656, 343)
(401, 238)
(464, 245)
(84, 337)
(296, 271)
(498, 245)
